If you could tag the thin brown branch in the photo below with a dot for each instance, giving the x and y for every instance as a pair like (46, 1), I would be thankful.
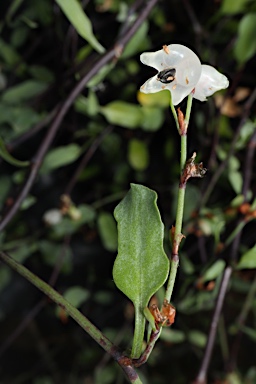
(202, 375)
(66, 105)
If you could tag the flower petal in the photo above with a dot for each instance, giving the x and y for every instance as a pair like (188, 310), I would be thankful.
(187, 71)
(210, 82)
(152, 85)
(178, 92)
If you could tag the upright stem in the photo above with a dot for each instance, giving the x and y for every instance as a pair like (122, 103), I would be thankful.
(183, 152)
(177, 236)
(174, 114)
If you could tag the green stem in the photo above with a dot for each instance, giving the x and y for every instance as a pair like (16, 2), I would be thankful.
(188, 110)
(183, 152)
(176, 240)
(174, 114)
(151, 343)
(179, 213)
(180, 204)
(138, 336)
(73, 312)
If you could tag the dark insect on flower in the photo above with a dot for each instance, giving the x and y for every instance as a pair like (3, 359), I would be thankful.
(167, 75)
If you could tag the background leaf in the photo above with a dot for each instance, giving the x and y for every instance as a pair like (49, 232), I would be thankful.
(245, 47)
(138, 155)
(75, 13)
(24, 91)
(214, 271)
(124, 114)
(59, 157)
(248, 260)
(230, 7)
(9, 158)
(108, 231)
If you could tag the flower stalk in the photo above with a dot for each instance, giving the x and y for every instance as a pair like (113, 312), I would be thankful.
(176, 232)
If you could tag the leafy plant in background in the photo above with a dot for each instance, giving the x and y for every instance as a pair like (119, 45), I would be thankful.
(142, 266)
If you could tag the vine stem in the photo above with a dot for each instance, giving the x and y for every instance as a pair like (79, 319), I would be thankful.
(177, 236)
(73, 312)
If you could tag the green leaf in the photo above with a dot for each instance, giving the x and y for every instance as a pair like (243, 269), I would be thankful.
(87, 105)
(5, 277)
(41, 73)
(80, 21)
(20, 119)
(9, 158)
(236, 181)
(197, 338)
(137, 42)
(153, 118)
(28, 202)
(186, 265)
(173, 336)
(23, 251)
(107, 231)
(59, 157)
(234, 378)
(248, 260)
(6, 183)
(105, 375)
(100, 75)
(12, 9)
(9, 54)
(138, 155)
(141, 266)
(24, 91)
(51, 253)
(76, 295)
(214, 271)
(245, 47)
(231, 7)
(159, 99)
(124, 114)
(249, 332)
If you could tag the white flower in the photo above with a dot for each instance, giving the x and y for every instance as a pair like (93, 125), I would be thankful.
(180, 71)
(210, 82)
